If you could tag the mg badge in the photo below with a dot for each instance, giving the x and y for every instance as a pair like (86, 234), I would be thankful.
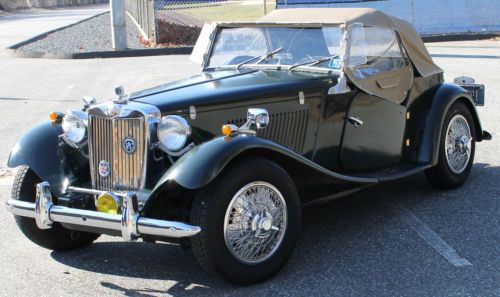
(104, 168)
(129, 145)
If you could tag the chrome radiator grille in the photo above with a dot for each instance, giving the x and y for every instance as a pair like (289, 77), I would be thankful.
(106, 137)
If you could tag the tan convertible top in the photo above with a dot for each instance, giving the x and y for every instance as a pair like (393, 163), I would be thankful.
(369, 17)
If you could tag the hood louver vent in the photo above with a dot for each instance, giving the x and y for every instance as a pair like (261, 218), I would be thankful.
(285, 128)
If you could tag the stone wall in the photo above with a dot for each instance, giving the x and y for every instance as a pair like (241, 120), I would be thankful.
(19, 4)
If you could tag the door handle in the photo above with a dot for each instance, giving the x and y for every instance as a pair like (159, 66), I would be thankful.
(355, 121)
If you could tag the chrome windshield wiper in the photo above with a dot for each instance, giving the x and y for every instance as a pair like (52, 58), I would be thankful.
(313, 62)
(260, 58)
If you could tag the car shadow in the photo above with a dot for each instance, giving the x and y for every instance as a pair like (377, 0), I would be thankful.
(343, 243)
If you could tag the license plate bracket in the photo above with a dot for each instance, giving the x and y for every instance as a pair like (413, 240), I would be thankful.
(476, 91)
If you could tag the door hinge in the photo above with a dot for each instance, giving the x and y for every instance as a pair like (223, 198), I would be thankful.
(302, 98)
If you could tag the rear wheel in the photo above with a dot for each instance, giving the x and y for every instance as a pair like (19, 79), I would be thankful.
(250, 221)
(456, 149)
(57, 238)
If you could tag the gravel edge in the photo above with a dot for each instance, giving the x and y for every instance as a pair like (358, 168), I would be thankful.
(18, 51)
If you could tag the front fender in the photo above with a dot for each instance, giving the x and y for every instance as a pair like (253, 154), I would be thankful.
(445, 96)
(203, 163)
(38, 149)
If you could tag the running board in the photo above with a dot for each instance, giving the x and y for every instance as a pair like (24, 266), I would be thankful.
(395, 172)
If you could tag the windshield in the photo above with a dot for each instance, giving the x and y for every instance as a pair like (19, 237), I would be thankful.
(235, 46)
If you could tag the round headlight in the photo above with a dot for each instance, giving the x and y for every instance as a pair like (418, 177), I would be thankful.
(173, 132)
(74, 126)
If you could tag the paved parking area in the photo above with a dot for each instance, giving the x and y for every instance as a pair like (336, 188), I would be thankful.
(398, 239)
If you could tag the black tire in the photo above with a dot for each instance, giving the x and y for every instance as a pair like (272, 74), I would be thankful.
(57, 238)
(209, 209)
(441, 176)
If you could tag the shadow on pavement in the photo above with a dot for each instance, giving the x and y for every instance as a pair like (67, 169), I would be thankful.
(352, 246)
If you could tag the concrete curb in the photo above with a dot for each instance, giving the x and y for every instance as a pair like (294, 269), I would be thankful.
(459, 36)
(106, 54)
(15, 50)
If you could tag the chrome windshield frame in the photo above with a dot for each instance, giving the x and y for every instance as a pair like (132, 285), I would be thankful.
(219, 26)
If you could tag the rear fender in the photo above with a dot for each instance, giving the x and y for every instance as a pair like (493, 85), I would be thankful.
(445, 96)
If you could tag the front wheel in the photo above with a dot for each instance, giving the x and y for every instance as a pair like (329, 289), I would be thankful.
(456, 149)
(250, 220)
(57, 238)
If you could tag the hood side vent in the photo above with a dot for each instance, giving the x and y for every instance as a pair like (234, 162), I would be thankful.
(285, 128)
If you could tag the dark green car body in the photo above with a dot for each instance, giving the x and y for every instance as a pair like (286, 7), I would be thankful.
(282, 115)
(309, 132)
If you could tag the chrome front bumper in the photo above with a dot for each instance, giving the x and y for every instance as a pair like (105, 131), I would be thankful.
(129, 222)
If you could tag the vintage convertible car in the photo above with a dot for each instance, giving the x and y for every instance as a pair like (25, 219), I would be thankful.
(300, 107)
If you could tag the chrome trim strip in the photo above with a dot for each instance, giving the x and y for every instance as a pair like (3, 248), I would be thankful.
(85, 191)
(130, 224)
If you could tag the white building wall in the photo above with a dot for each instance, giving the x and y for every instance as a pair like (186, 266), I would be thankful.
(428, 16)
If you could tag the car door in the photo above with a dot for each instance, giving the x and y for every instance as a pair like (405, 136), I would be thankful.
(375, 122)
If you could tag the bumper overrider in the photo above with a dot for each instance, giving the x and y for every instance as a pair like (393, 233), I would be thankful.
(129, 222)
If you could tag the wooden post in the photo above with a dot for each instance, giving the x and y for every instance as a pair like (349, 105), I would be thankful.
(118, 25)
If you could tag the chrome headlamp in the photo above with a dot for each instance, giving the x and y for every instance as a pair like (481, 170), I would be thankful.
(173, 133)
(74, 125)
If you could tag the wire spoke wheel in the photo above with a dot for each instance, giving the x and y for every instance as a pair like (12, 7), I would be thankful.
(458, 144)
(255, 223)
(251, 219)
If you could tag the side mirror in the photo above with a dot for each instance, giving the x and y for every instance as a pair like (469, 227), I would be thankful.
(258, 117)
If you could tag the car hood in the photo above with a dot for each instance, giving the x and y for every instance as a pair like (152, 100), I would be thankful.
(225, 86)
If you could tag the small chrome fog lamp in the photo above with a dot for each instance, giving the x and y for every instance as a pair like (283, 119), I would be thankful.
(108, 203)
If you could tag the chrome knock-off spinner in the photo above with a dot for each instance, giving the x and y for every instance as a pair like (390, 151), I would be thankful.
(255, 223)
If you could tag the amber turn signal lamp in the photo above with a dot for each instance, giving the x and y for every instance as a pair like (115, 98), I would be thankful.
(227, 130)
(55, 116)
